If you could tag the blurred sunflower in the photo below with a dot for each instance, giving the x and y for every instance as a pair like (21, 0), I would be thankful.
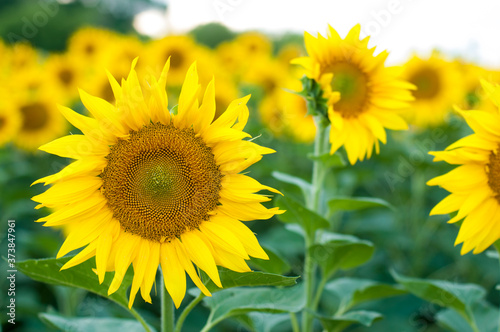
(90, 44)
(231, 56)
(474, 186)
(439, 87)
(149, 187)
(10, 120)
(285, 113)
(182, 51)
(41, 122)
(66, 74)
(225, 93)
(371, 95)
(268, 74)
(254, 44)
(22, 56)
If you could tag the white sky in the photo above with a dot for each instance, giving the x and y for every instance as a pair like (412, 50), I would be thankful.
(460, 27)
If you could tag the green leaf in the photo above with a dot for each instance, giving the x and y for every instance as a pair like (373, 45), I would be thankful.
(265, 322)
(230, 279)
(299, 214)
(232, 302)
(356, 203)
(353, 291)
(366, 318)
(305, 186)
(93, 324)
(485, 316)
(329, 160)
(80, 276)
(336, 251)
(460, 297)
(275, 264)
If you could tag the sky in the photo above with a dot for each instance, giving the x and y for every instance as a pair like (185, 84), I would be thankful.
(457, 28)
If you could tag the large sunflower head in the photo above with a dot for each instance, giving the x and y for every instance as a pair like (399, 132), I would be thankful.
(439, 86)
(150, 187)
(363, 96)
(474, 185)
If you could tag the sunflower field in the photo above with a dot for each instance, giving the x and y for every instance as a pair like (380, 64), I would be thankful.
(220, 179)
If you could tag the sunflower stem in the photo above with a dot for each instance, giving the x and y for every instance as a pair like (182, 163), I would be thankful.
(140, 319)
(167, 310)
(295, 322)
(186, 311)
(316, 205)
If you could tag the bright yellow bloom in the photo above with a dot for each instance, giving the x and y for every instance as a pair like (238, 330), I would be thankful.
(10, 120)
(254, 44)
(41, 122)
(152, 188)
(474, 186)
(284, 113)
(439, 87)
(65, 74)
(371, 95)
(267, 73)
(90, 44)
(182, 51)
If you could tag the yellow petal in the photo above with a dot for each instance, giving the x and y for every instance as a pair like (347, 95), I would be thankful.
(173, 273)
(243, 233)
(222, 237)
(200, 254)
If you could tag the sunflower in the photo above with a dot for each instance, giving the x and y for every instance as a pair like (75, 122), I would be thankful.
(439, 87)
(41, 122)
(66, 74)
(182, 51)
(474, 186)
(267, 73)
(284, 113)
(10, 120)
(89, 44)
(371, 95)
(254, 44)
(21, 56)
(149, 187)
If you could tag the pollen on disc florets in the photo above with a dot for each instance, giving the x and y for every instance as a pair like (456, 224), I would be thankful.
(352, 83)
(493, 171)
(161, 181)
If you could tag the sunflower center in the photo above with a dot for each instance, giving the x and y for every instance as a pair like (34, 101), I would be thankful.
(2, 122)
(35, 116)
(351, 82)
(89, 49)
(428, 83)
(66, 76)
(494, 172)
(161, 182)
(176, 58)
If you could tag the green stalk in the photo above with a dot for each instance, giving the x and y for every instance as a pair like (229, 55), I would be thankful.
(167, 309)
(140, 319)
(315, 204)
(295, 323)
(186, 311)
